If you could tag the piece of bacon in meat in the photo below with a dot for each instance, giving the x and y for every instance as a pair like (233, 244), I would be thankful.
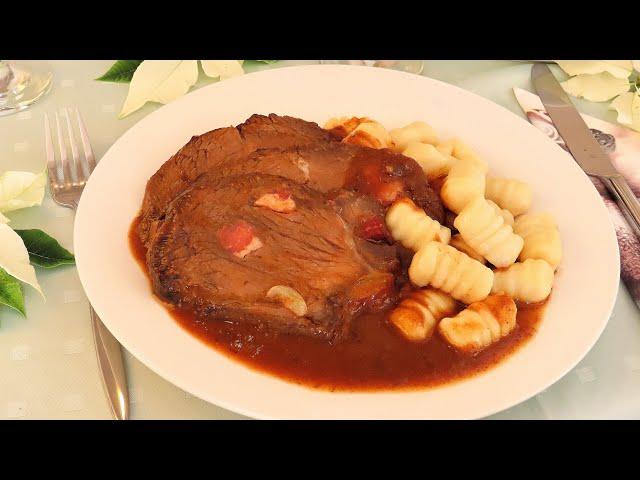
(374, 229)
(238, 238)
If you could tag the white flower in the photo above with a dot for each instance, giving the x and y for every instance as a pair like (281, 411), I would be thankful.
(628, 107)
(617, 68)
(21, 190)
(14, 257)
(159, 81)
(222, 68)
(598, 87)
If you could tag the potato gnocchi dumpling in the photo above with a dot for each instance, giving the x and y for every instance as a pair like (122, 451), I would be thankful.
(369, 134)
(451, 271)
(462, 151)
(513, 195)
(530, 281)
(486, 232)
(446, 147)
(505, 214)
(412, 227)
(464, 183)
(414, 132)
(480, 324)
(541, 238)
(343, 126)
(458, 242)
(433, 163)
(417, 315)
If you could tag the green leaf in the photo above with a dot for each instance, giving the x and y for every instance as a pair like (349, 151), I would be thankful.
(45, 251)
(11, 293)
(267, 61)
(121, 71)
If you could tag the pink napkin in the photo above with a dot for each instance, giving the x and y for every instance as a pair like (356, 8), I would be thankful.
(623, 146)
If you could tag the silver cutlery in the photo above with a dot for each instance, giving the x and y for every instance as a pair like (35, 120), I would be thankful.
(68, 175)
(584, 148)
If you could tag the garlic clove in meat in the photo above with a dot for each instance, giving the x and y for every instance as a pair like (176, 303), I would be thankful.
(280, 202)
(290, 298)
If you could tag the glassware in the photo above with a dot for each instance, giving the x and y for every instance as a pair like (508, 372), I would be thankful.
(21, 84)
(411, 66)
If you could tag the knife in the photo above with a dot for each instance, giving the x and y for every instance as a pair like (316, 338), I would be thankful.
(584, 148)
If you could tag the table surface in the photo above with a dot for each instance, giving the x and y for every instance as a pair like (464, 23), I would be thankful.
(48, 368)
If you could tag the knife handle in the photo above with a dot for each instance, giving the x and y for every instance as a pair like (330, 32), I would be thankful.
(114, 378)
(627, 201)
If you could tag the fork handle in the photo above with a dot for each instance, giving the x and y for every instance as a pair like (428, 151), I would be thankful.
(114, 378)
(627, 201)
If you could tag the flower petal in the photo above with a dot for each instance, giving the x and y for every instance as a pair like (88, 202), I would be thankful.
(222, 68)
(14, 258)
(617, 68)
(159, 81)
(21, 190)
(596, 88)
(622, 105)
(635, 112)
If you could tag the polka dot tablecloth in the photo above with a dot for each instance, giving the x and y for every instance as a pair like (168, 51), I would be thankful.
(48, 368)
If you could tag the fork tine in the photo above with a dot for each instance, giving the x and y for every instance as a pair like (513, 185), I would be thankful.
(54, 177)
(62, 161)
(89, 162)
(74, 148)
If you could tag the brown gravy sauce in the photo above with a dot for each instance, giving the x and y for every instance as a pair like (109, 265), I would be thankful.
(374, 357)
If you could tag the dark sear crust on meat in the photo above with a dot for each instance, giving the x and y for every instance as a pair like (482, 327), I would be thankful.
(312, 249)
(213, 250)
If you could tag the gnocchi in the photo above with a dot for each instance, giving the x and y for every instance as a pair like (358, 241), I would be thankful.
(417, 315)
(412, 227)
(451, 271)
(433, 163)
(484, 230)
(462, 151)
(414, 132)
(530, 281)
(480, 324)
(505, 214)
(369, 134)
(513, 195)
(458, 242)
(464, 183)
(343, 126)
(541, 238)
(446, 147)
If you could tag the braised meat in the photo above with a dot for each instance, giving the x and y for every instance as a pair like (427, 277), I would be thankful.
(207, 152)
(278, 201)
(294, 149)
(222, 247)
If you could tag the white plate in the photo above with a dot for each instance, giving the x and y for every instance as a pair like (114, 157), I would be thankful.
(584, 292)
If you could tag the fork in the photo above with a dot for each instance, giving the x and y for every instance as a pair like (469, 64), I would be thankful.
(67, 178)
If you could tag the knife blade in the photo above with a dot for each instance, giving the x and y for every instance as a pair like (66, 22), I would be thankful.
(583, 147)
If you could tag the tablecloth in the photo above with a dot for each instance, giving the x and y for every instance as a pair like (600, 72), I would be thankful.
(48, 368)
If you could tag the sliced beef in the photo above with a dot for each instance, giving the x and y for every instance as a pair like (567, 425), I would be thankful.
(292, 148)
(206, 153)
(218, 253)
(276, 131)
(381, 174)
(279, 201)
